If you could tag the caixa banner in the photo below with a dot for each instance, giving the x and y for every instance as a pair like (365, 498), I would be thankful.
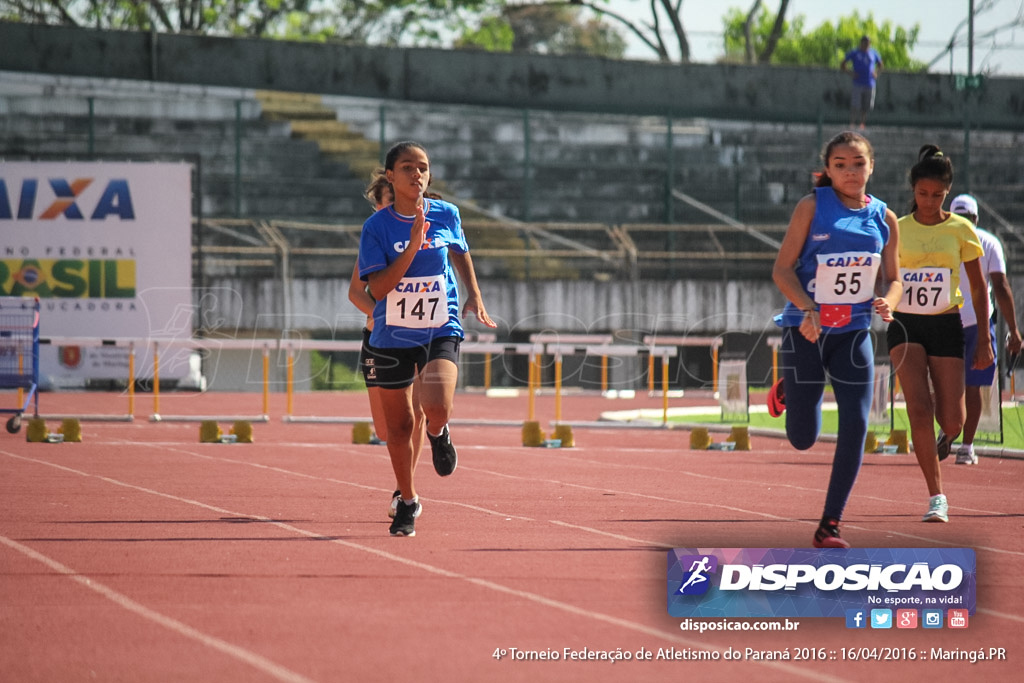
(803, 582)
(106, 247)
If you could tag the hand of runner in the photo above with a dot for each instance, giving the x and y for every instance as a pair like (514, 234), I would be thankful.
(883, 309)
(476, 306)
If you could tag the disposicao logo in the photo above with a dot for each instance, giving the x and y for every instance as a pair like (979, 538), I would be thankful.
(697, 579)
(801, 582)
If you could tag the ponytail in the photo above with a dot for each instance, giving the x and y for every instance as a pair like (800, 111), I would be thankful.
(932, 164)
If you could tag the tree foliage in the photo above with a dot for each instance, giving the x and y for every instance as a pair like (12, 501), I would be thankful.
(662, 30)
(825, 46)
(376, 22)
(545, 29)
(546, 26)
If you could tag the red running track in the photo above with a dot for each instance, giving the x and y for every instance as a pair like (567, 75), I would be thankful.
(143, 555)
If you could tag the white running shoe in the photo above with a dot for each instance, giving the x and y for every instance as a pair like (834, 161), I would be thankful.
(965, 455)
(938, 509)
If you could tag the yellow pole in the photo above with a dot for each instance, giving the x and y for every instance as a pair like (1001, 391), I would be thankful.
(604, 374)
(290, 382)
(714, 368)
(156, 378)
(531, 404)
(775, 365)
(266, 379)
(664, 389)
(21, 371)
(558, 388)
(131, 379)
(650, 373)
(487, 370)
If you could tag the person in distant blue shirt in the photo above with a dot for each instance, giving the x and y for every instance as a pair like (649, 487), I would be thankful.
(866, 62)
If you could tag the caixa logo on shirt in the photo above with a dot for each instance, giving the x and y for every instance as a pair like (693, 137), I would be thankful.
(428, 242)
(784, 582)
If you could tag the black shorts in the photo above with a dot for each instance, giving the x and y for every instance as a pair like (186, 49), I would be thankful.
(396, 368)
(368, 360)
(941, 335)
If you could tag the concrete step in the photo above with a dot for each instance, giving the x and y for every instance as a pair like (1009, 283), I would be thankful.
(281, 106)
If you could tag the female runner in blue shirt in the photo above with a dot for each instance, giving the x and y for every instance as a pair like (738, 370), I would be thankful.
(404, 255)
(839, 252)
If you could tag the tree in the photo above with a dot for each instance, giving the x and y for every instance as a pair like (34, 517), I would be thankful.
(988, 39)
(650, 32)
(824, 46)
(545, 29)
(380, 22)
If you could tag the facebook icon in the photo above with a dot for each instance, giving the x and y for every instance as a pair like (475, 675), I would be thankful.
(856, 618)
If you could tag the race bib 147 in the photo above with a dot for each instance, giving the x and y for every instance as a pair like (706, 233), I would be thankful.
(418, 302)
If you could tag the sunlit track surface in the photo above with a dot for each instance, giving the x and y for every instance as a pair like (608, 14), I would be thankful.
(141, 554)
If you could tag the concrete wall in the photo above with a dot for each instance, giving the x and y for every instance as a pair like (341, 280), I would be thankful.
(739, 310)
(528, 81)
(647, 307)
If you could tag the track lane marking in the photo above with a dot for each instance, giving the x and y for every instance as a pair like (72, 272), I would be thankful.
(416, 564)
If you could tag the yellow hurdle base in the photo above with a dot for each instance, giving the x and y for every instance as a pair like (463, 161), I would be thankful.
(361, 433)
(700, 439)
(532, 434)
(563, 434)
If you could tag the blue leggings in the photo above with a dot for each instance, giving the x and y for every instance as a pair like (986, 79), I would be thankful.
(849, 360)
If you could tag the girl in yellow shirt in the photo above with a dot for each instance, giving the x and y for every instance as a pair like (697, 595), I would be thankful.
(926, 338)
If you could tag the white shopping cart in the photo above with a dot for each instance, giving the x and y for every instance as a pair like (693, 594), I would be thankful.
(19, 354)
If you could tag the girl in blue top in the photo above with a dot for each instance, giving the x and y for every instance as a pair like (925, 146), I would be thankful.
(840, 249)
(404, 253)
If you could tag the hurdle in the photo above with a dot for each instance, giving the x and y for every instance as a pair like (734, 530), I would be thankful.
(604, 351)
(554, 343)
(774, 342)
(211, 345)
(578, 344)
(293, 345)
(654, 340)
(533, 380)
(93, 342)
(470, 346)
(488, 348)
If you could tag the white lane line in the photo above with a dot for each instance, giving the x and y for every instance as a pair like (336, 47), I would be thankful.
(1002, 615)
(549, 454)
(660, 499)
(121, 600)
(432, 569)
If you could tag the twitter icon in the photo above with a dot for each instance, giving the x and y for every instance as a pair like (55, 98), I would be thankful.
(881, 618)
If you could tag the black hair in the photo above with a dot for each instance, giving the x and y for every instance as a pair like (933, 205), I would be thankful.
(932, 164)
(397, 149)
(847, 137)
(389, 164)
